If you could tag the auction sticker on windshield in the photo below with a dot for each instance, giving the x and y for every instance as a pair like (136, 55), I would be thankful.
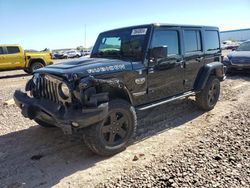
(139, 31)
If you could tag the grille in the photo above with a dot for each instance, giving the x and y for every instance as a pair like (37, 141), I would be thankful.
(47, 89)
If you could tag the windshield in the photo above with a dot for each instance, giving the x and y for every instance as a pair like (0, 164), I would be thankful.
(244, 46)
(129, 43)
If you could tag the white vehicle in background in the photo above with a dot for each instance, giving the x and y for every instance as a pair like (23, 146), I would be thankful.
(229, 45)
(85, 53)
(72, 54)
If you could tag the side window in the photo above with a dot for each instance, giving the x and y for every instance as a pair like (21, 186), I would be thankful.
(211, 40)
(1, 51)
(12, 49)
(168, 38)
(192, 40)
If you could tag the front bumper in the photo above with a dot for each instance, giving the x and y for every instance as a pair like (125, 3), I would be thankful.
(53, 113)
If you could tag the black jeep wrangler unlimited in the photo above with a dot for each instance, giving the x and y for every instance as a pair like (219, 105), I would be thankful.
(133, 68)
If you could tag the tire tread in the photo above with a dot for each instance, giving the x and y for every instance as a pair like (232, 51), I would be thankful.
(201, 97)
(91, 132)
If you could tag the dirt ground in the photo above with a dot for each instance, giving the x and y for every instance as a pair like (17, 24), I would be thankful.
(32, 156)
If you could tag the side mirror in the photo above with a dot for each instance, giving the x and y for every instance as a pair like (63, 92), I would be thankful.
(159, 52)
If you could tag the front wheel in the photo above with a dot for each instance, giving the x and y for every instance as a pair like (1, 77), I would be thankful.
(113, 134)
(209, 96)
(27, 71)
(35, 66)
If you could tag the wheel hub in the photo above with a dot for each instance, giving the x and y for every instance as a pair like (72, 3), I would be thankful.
(114, 129)
(212, 93)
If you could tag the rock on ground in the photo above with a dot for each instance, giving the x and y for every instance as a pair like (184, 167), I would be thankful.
(219, 158)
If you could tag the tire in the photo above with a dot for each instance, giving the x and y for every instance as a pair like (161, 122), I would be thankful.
(36, 65)
(107, 138)
(228, 71)
(27, 71)
(209, 96)
(44, 124)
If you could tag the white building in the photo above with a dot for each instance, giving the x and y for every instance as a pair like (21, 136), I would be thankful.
(235, 35)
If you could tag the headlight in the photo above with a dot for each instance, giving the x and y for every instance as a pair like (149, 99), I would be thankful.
(64, 90)
(35, 78)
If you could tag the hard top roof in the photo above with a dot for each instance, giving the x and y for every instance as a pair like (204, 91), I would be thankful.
(166, 25)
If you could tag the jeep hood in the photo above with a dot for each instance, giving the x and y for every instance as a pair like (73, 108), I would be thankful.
(86, 66)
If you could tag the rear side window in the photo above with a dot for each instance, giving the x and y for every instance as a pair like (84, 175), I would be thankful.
(211, 40)
(166, 38)
(192, 40)
(13, 50)
(1, 51)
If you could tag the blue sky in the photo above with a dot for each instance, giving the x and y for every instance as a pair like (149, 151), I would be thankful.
(60, 23)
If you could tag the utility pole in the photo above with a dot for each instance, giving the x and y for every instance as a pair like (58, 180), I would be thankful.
(85, 35)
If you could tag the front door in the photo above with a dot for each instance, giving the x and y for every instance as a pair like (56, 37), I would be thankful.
(165, 79)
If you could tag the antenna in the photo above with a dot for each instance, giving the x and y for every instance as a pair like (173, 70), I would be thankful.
(85, 35)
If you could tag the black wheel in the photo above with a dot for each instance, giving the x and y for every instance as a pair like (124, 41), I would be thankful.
(43, 123)
(228, 71)
(113, 134)
(27, 71)
(35, 66)
(209, 96)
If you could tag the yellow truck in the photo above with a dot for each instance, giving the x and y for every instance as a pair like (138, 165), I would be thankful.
(13, 57)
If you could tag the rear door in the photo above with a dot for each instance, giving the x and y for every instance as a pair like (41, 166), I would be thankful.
(14, 57)
(193, 55)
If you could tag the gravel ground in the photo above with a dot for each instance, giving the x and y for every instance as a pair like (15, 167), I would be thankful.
(218, 158)
(176, 145)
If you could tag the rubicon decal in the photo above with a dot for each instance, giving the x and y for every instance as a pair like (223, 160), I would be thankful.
(106, 68)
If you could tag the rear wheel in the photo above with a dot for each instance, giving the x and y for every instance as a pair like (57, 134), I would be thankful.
(27, 71)
(209, 96)
(115, 132)
(36, 65)
(43, 123)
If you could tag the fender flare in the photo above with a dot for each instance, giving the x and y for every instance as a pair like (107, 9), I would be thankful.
(35, 58)
(215, 68)
(112, 83)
